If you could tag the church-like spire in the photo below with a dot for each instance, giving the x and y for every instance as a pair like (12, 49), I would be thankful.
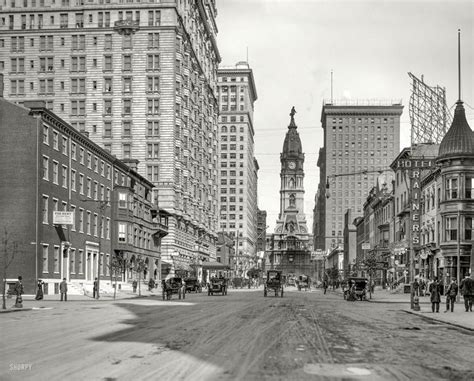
(459, 140)
(292, 143)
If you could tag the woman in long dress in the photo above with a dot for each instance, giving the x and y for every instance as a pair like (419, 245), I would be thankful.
(39, 292)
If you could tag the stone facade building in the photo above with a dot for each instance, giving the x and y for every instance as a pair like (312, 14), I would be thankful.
(140, 78)
(237, 164)
(291, 242)
(360, 138)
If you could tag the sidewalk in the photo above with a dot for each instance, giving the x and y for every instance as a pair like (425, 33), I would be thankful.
(458, 318)
(30, 303)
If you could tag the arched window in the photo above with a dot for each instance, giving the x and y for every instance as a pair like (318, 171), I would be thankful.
(224, 129)
(233, 129)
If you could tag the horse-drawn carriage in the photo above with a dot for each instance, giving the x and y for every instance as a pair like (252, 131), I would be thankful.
(217, 286)
(274, 282)
(357, 289)
(173, 286)
(303, 281)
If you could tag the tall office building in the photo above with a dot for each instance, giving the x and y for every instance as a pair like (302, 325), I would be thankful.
(237, 164)
(359, 140)
(140, 79)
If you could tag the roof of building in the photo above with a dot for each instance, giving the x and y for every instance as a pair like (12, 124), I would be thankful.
(459, 140)
(292, 144)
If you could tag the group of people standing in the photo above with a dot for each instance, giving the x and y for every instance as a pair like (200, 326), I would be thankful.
(466, 288)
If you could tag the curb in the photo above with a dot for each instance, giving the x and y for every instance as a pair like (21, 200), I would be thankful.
(440, 321)
(15, 310)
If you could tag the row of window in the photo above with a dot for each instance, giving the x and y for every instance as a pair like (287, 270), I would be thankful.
(231, 119)
(77, 260)
(38, 21)
(78, 64)
(86, 221)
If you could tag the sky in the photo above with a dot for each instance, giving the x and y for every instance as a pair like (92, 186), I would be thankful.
(369, 45)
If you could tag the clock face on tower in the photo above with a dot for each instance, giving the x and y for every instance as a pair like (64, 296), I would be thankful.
(292, 165)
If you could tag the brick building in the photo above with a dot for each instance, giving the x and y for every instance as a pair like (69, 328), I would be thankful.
(47, 166)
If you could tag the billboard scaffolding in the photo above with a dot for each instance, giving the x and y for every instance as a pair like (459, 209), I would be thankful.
(429, 114)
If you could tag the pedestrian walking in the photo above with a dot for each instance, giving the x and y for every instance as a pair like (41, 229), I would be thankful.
(325, 286)
(435, 295)
(39, 291)
(95, 290)
(134, 285)
(63, 290)
(151, 284)
(422, 287)
(467, 291)
(451, 294)
(416, 288)
(19, 292)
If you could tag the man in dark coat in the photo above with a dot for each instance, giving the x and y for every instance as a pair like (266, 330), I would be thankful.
(451, 294)
(467, 291)
(18, 292)
(63, 290)
(95, 290)
(416, 288)
(435, 295)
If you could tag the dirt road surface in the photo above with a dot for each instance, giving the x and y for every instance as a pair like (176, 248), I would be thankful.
(241, 336)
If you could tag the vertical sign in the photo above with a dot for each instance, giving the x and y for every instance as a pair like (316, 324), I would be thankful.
(415, 167)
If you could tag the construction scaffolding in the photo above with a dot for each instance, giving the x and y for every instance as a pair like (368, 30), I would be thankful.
(429, 114)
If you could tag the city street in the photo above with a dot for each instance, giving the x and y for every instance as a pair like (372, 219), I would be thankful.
(241, 336)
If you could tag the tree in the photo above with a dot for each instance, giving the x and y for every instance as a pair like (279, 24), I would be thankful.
(10, 248)
(333, 274)
(369, 264)
(117, 268)
(140, 265)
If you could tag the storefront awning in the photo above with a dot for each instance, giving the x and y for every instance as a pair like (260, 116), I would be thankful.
(165, 263)
(182, 266)
(213, 265)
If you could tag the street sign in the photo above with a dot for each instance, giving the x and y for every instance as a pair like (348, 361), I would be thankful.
(365, 246)
(63, 218)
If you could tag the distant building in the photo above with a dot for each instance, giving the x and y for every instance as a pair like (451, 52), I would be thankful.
(291, 241)
(237, 164)
(359, 140)
(47, 167)
(261, 230)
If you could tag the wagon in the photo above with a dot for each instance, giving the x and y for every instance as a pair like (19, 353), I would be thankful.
(217, 286)
(303, 281)
(173, 286)
(357, 289)
(274, 282)
(193, 284)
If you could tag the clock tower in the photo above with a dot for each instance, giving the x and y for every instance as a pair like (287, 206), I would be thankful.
(291, 243)
(292, 175)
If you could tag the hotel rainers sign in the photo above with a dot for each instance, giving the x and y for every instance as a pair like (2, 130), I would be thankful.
(415, 166)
